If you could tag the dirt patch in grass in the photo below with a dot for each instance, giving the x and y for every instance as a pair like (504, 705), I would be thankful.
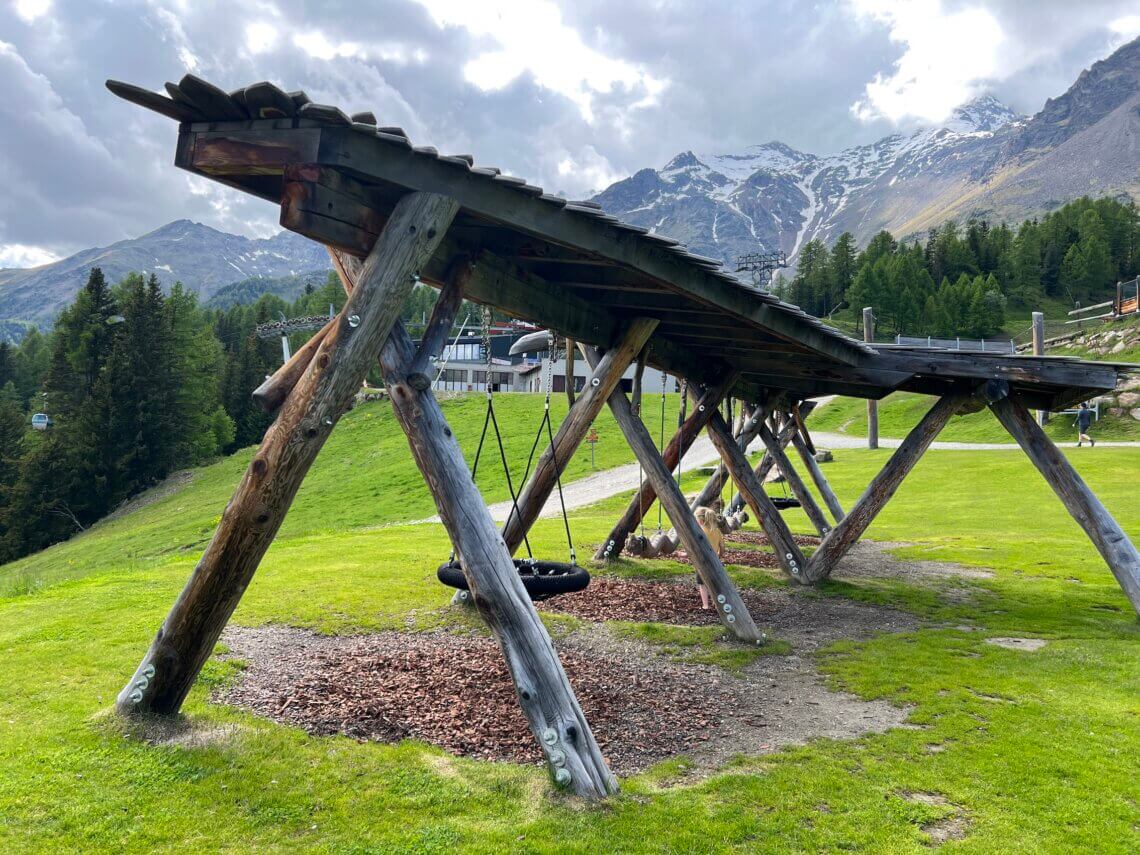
(171, 485)
(1026, 644)
(870, 559)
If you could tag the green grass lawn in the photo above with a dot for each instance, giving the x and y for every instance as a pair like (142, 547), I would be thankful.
(901, 411)
(1037, 751)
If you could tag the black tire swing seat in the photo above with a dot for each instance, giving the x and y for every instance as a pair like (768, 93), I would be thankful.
(542, 579)
(784, 503)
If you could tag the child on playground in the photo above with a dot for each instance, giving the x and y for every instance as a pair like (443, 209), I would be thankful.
(1082, 424)
(711, 521)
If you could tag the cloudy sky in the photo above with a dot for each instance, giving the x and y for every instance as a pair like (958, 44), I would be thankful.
(571, 94)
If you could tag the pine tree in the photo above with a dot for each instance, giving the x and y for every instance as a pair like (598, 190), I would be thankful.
(844, 265)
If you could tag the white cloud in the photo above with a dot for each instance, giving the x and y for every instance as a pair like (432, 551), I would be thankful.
(29, 10)
(24, 255)
(949, 57)
(588, 169)
(1126, 27)
(260, 37)
(316, 44)
(532, 37)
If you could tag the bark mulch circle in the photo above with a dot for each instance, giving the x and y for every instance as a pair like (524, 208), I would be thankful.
(456, 693)
(758, 538)
(627, 599)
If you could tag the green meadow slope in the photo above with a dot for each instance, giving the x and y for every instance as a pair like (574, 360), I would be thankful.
(1023, 751)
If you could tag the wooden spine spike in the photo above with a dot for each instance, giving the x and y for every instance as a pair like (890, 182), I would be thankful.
(153, 101)
(215, 104)
(266, 101)
(366, 117)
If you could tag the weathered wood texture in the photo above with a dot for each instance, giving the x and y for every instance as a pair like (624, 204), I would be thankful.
(744, 437)
(881, 489)
(765, 465)
(604, 379)
(799, 488)
(790, 556)
(730, 607)
(703, 403)
(546, 697)
(439, 326)
(260, 503)
(872, 405)
(821, 482)
(1106, 534)
(271, 394)
(571, 381)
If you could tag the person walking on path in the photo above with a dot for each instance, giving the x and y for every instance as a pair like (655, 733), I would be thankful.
(1083, 422)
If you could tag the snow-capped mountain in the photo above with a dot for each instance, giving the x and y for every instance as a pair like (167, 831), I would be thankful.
(201, 258)
(984, 160)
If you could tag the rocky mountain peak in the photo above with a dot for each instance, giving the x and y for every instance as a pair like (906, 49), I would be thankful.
(984, 113)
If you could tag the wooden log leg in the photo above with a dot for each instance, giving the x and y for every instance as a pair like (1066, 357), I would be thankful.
(730, 607)
(573, 430)
(799, 488)
(258, 506)
(712, 488)
(547, 700)
(821, 482)
(881, 489)
(790, 556)
(680, 443)
(1106, 534)
(764, 466)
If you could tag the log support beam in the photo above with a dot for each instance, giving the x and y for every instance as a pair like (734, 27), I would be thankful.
(572, 754)
(882, 488)
(821, 483)
(439, 326)
(744, 437)
(605, 378)
(790, 556)
(1106, 534)
(799, 488)
(254, 514)
(784, 436)
(731, 610)
(704, 403)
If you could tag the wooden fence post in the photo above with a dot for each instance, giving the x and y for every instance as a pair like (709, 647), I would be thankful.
(872, 405)
(1039, 350)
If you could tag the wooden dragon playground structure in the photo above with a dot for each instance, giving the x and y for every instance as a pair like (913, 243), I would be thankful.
(393, 214)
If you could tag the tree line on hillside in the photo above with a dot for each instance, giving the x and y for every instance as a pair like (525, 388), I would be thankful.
(959, 282)
(138, 384)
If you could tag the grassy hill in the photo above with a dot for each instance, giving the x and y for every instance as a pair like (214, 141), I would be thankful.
(1022, 750)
